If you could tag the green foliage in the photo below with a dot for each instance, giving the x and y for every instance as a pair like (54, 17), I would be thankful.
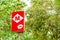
(42, 24)
(6, 8)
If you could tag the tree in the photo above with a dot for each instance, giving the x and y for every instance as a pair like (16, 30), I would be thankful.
(43, 21)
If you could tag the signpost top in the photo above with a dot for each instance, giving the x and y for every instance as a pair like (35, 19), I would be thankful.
(18, 21)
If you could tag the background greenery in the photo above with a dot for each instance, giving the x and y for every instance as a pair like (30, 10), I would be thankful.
(43, 22)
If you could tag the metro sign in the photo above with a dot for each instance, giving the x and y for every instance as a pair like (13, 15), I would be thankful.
(18, 22)
(17, 18)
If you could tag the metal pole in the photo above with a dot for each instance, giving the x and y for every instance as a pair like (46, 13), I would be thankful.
(19, 36)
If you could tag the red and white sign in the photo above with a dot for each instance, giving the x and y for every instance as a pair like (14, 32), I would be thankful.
(18, 21)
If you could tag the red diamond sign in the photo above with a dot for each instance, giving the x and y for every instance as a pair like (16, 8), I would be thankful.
(17, 18)
(18, 23)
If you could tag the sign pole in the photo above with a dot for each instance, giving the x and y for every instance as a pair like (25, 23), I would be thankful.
(19, 36)
(18, 22)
